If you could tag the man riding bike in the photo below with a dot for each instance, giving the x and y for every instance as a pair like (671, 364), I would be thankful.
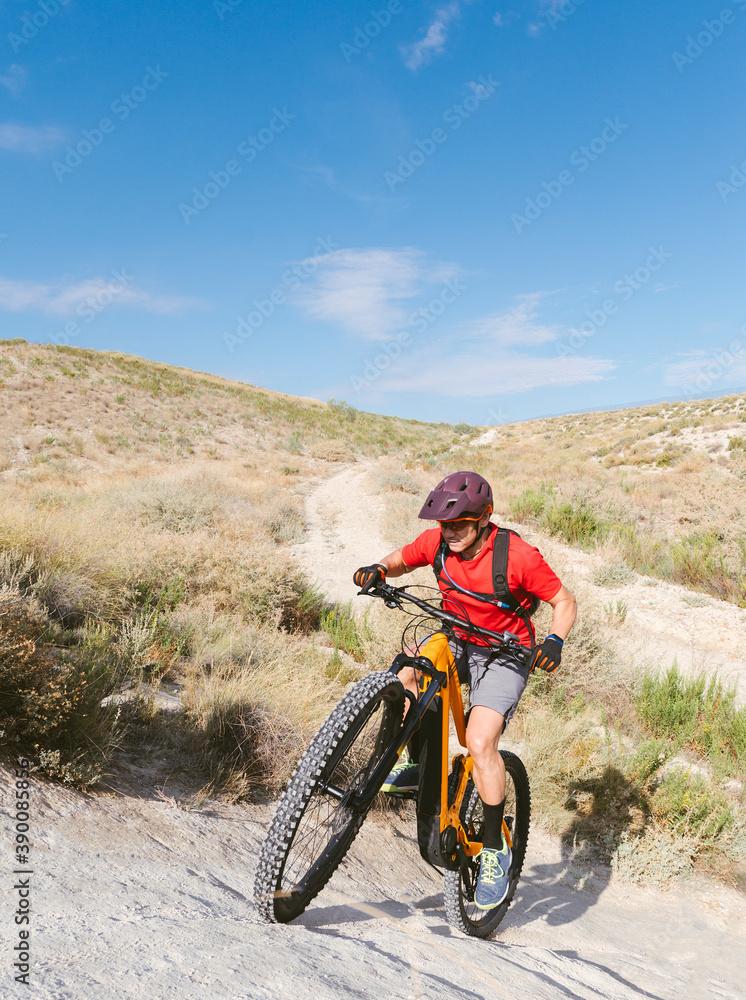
(462, 550)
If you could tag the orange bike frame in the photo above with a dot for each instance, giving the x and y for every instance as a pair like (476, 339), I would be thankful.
(437, 650)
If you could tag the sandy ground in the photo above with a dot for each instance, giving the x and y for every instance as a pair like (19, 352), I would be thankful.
(137, 897)
(342, 531)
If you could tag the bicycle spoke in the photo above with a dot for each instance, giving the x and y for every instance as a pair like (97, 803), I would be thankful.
(328, 816)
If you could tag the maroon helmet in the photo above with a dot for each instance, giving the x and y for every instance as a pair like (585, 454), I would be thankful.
(462, 494)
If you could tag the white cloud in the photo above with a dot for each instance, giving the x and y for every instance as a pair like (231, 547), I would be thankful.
(14, 79)
(698, 369)
(518, 326)
(60, 299)
(481, 372)
(487, 357)
(29, 138)
(364, 290)
(433, 43)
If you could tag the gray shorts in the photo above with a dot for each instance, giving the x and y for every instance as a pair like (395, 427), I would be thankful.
(495, 679)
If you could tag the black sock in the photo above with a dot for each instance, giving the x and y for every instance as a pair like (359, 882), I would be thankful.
(493, 825)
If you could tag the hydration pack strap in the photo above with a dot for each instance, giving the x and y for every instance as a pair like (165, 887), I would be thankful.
(501, 597)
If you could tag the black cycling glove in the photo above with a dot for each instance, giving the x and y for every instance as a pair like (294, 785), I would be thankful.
(548, 654)
(369, 576)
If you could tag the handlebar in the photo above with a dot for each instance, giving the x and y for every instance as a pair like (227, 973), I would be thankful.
(393, 597)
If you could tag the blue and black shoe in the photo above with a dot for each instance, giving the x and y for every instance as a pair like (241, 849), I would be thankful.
(404, 779)
(494, 876)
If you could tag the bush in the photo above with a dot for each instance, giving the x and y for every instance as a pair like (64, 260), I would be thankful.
(177, 507)
(283, 597)
(331, 451)
(400, 482)
(286, 524)
(343, 409)
(50, 704)
(698, 561)
(616, 614)
(689, 807)
(347, 632)
(249, 725)
(578, 524)
(529, 505)
(574, 521)
(696, 712)
(613, 575)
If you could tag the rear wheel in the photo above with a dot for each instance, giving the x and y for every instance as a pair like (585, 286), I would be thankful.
(459, 886)
(314, 825)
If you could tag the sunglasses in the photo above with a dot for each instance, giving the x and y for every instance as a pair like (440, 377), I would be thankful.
(461, 522)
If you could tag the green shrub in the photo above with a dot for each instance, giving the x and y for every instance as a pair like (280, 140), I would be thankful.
(529, 505)
(347, 632)
(616, 614)
(337, 669)
(699, 562)
(697, 712)
(690, 807)
(576, 523)
(341, 408)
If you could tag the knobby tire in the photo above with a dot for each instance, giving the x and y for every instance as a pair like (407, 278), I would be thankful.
(313, 830)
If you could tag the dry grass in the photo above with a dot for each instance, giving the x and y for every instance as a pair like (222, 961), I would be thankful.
(660, 487)
(145, 515)
(145, 512)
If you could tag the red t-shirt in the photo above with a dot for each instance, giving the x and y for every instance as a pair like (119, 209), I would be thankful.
(528, 573)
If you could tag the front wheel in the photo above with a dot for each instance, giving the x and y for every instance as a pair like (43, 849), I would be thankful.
(459, 886)
(314, 826)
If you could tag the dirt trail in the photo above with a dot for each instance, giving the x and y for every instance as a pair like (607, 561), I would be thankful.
(135, 897)
(342, 532)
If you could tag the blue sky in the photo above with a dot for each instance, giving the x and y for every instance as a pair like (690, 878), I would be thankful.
(462, 210)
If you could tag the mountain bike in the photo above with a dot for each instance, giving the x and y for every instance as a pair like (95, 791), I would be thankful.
(339, 776)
